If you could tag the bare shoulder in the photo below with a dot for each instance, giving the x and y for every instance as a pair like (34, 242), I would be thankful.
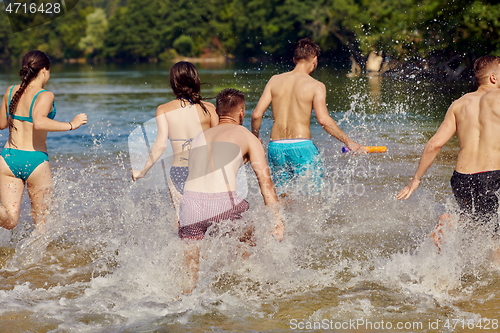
(282, 77)
(319, 85)
(312, 82)
(167, 107)
(464, 101)
(7, 91)
(242, 134)
(249, 137)
(209, 106)
(46, 96)
(275, 79)
(244, 131)
(278, 76)
(494, 94)
(491, 101)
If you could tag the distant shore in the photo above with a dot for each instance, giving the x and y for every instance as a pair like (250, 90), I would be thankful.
(209, 59)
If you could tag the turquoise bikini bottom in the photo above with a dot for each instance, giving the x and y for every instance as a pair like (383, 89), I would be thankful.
(22, 163)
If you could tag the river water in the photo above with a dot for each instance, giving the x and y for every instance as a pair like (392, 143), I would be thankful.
(354, 259)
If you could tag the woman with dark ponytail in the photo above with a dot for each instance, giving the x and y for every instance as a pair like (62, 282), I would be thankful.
(180, 121)
(28, 111)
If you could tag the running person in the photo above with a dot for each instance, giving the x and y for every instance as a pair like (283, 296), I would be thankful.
(28, 111)
(475, 117)
(210, 194)
(180, 121)
(293, 96)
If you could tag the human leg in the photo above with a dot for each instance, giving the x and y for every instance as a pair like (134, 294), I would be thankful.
(192, 263)
(40, 188)
(445, 222)
(11, 193)
(176, 198)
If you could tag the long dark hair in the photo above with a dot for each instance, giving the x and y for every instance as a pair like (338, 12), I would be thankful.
(185, 83)
(33, 63)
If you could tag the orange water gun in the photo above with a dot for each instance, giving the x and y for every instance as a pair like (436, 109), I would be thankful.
(368, 149)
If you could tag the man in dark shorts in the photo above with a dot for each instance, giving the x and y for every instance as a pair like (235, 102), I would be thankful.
(210, 193)
(475, 117)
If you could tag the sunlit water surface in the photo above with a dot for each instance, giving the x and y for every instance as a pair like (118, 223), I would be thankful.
(112, 261)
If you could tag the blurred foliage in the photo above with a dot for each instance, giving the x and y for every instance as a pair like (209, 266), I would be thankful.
(97, 27)
(138, 30)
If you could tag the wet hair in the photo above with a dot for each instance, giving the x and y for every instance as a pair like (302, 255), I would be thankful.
(33, 62)
(306, 49)
(228, 100)
(185, 83)
(484, 67)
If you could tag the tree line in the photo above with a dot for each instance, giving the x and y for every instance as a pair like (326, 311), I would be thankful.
(152, 30)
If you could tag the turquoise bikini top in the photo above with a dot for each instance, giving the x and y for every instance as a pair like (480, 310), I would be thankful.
(29, 119)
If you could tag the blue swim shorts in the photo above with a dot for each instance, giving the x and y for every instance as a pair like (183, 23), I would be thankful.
(290, 160)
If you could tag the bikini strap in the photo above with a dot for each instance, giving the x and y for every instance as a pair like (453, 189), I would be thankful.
(10, 96)
(33, 102)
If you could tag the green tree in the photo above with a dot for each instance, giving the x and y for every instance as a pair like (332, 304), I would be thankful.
(97, 26)
(184, 45)
(191, 19)
(141, 30)
(271, 26)
(480, 28)
(135, 31)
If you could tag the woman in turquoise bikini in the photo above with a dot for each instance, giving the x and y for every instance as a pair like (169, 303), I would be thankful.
(180, 121)
(28, 111)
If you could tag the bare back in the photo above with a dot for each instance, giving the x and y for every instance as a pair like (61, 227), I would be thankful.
(185, 121)
(292, 96)
(26, 137)
(215, 158)
(477, 117)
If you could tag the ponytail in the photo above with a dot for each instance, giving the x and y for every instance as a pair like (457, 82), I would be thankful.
(194, 98)
(185, 83)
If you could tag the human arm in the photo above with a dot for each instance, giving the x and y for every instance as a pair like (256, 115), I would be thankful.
(3, 111)
(431, 150)
(260, 109)
(259, 165)
(158, 147)
(41, 122)
(327, 122)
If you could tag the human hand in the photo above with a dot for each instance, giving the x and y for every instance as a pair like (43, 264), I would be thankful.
(136, 175)
(406, 192)
(279, 231)
(356, 148)
(79, 120)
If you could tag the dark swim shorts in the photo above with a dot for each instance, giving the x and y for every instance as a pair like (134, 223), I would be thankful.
(476, 195)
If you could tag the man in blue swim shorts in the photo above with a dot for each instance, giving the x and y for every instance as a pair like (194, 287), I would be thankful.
(293, 96)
